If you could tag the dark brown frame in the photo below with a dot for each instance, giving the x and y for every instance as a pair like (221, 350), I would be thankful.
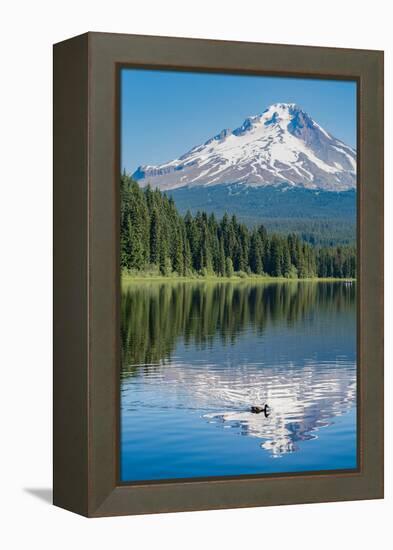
(86, 273)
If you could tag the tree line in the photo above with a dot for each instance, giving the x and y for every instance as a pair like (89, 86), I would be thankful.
(315, 231)
(155, 236)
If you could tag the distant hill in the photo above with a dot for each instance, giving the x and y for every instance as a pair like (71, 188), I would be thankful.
(320, 217)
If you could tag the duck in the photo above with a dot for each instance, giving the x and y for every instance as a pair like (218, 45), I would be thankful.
(256, 409)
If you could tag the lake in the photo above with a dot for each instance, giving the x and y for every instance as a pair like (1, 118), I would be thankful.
(196, 356)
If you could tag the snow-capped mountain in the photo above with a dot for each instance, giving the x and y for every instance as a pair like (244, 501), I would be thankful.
(283, 145)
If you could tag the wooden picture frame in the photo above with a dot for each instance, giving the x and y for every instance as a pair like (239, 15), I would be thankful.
(86, 274)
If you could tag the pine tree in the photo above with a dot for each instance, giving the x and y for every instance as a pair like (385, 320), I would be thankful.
(178, 252)
(154, 237)
(229, 267)
(244, 248)
(187, 255)
(206, 256)
(276, 256)
(221, 260)
(164, 260)
(255, 260)
(286, 260)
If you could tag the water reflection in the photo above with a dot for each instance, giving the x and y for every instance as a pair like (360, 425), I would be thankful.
(301, 402)
(155, 316)
(218, 349)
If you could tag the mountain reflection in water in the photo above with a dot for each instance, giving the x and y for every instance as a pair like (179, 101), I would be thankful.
(216, 349)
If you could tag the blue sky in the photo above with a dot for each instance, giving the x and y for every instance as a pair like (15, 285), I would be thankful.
(165, 113)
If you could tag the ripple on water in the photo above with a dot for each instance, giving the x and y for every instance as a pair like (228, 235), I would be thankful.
(197, 357)
(301, 399)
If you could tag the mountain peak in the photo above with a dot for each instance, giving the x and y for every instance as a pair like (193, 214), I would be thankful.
(282, 112)
(284, 107)
(283, 145)
(277, 113)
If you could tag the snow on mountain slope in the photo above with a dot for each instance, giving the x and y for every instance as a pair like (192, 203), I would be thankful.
(283, 145)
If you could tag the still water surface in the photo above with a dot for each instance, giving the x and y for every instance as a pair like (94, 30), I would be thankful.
(197, 356)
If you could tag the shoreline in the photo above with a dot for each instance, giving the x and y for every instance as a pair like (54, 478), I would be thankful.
(130, 279)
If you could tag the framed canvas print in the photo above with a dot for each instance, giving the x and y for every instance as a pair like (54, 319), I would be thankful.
(218, 274)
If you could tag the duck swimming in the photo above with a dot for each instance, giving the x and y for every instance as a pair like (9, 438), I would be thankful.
(256, 410)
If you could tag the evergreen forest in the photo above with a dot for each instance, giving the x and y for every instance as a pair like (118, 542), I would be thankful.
(155, 238)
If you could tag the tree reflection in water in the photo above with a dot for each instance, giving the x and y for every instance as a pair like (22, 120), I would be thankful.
(305, 388)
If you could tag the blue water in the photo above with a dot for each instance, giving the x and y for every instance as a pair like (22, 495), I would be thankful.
(197, 357)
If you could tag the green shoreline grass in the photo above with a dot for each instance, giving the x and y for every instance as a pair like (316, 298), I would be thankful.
(129, 279)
